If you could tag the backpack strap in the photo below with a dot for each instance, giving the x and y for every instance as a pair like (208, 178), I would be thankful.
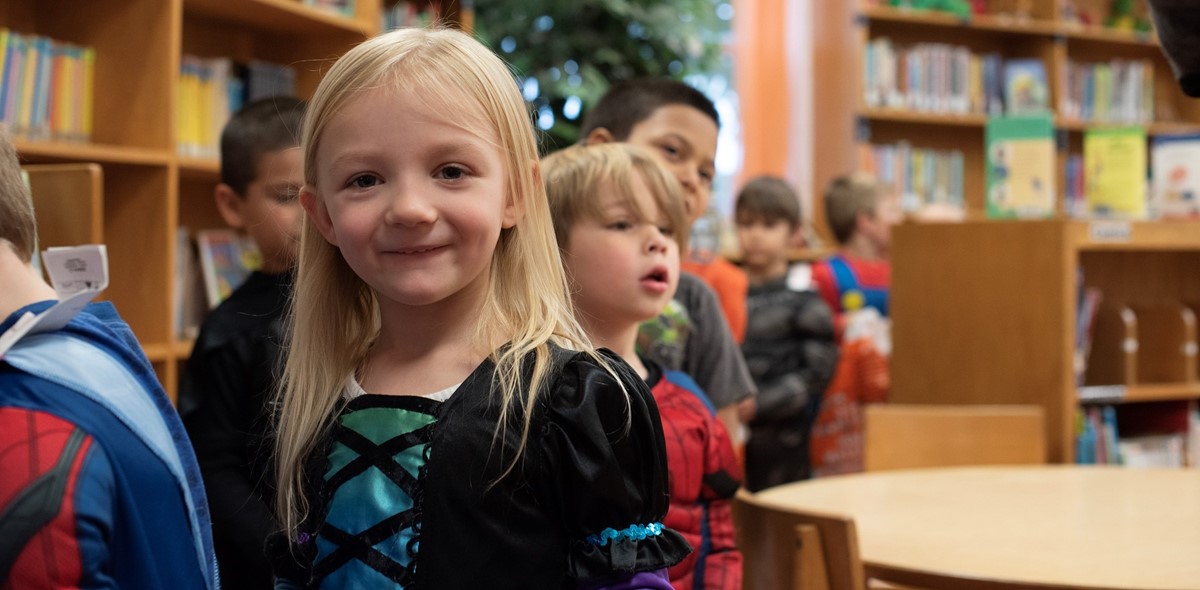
(852, 296)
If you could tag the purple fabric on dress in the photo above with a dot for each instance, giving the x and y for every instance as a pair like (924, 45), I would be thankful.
(655, 580)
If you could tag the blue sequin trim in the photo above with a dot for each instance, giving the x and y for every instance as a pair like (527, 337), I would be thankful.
(638, 532)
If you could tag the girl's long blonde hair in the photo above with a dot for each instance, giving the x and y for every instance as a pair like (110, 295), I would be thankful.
(335, 317)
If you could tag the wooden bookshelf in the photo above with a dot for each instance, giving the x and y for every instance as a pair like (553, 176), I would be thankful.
(1044, 35)
(923, 118)
(138, 191)
(984, 312)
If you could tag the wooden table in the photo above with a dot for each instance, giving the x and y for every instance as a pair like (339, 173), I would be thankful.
(1018, 527)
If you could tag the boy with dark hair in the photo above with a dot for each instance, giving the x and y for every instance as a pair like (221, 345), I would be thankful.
(230, 377)
(679, 125)
(861, 214)
(790, 347)
(98, 484)
(631, 102)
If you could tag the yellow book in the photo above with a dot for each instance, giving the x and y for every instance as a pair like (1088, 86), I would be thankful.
(181, 107)
(187, 107)
(89, 89)
(203, 109)
(77, 83)
(72, 93)
(212, 109)
(60, 93)
(5, 50)
(1114, 172)
(975, 84)
(27, 84)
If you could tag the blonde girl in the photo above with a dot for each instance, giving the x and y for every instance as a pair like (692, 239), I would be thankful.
(443, 421)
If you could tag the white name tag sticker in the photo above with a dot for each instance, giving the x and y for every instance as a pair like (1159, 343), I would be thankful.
(78, 268)
(78, 274)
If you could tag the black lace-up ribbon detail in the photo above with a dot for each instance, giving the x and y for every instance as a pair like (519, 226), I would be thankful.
(362, 546)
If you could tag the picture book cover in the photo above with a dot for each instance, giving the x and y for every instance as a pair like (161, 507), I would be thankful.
(1025, 88)
(1114, 162)
(226, 259)
(1020, 167)
(1175, 176)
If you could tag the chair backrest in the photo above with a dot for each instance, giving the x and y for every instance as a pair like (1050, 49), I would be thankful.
(69, 204)
(784, 548)
(905, 436)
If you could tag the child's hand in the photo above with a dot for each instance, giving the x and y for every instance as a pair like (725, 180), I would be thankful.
(746, 409)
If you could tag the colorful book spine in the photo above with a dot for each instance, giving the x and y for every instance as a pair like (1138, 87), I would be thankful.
(1116, 91)
(42, 87)
(87, 113)
(7, 58)
(39, 127)
(342, 7)
(924, 179)
(27, 84)
(928, 77)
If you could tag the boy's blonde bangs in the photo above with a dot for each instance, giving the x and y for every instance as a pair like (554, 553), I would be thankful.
(575, 176)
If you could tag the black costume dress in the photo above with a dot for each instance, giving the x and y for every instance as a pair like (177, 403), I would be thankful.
(407, 491)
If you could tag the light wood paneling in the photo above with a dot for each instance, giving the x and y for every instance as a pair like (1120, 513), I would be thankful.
(909, 436)
(984, 312)
(981, 315)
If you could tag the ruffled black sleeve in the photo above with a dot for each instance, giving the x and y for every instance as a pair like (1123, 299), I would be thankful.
(604, 452)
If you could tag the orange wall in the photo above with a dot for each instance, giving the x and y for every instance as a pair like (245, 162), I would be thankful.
(835, 71)
(760, 68)
(763, 77)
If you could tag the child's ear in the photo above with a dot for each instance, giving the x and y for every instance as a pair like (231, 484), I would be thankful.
(862, 218)
(315, 208)
(229, 204)
(799, 237)
(514, 206)
(599, 135)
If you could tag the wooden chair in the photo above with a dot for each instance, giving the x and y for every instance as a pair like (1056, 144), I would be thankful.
(905, 436)
(788, 549)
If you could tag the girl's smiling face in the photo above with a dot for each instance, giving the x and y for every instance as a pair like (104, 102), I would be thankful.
(413, 199)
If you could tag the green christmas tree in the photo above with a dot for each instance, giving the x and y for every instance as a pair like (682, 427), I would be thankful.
(567, 53)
